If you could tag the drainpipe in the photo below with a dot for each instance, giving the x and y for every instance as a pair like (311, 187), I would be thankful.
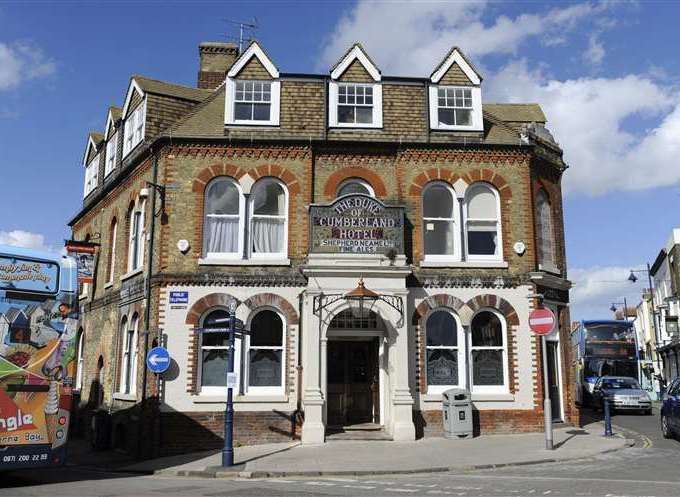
(298, 367)
(147, 296)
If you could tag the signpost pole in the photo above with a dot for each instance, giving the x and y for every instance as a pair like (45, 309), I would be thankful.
(547, 407)
(542, 322)
(228, 449)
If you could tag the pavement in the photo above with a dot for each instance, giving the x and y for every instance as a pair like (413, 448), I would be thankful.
(361, 458)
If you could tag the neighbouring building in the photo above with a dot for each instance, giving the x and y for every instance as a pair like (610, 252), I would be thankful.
(293, 195)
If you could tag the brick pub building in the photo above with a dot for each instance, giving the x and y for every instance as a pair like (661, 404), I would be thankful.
(286, 192)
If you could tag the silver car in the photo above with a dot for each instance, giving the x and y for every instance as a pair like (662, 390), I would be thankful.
(623, 393)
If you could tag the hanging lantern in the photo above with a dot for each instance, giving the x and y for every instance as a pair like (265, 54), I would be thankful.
(361, 299)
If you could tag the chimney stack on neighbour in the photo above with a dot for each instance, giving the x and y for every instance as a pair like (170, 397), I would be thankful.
(215, 60)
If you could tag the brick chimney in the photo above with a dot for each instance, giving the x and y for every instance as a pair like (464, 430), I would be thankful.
(215, 59)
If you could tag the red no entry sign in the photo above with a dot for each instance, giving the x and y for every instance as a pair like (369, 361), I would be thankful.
(542, 321)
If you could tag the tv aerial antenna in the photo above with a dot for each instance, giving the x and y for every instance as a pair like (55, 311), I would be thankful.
(243, 28)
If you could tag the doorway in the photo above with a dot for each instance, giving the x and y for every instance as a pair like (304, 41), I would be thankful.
(553, 364)
(353, 384)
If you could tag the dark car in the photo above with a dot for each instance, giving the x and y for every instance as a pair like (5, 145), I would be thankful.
(623, 393)
(670, 410)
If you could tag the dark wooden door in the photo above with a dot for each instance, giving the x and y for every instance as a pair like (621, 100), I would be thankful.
(352, 382)
(552, 361)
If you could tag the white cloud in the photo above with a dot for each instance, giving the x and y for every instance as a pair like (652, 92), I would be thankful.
(596, 288)
(22, 61)
(410, 38)
(595, 52)
(588, 117)
(25, 239)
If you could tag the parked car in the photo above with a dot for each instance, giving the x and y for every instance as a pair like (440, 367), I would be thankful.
(623, 393)
(670, 410)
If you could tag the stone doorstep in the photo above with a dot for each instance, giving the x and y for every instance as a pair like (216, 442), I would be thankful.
(237, 473)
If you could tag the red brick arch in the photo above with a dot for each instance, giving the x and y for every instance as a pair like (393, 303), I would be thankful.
(205, 303)
(334, 180)
(434, 302)
(444, 174)
(495, 302)
(275, 301)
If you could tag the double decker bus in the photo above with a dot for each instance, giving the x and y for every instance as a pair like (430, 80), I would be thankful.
(601, 348)
(38, 328)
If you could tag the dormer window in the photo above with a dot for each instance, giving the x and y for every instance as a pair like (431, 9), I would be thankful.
(253, 101)
(111, 154)
(355, 104)
(134, 128)
(253, 90)
(454, 106)
(91, 176)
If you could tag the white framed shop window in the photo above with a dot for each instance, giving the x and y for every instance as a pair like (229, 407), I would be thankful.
(488, 353)
(444, 352)
(214, 354)
(265, 354)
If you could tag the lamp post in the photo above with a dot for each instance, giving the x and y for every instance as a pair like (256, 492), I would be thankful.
(625, 308)
(632, 278)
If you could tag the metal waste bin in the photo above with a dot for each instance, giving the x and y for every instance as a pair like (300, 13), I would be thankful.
(457, 413)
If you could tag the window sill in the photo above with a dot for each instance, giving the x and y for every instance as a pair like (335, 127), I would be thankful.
(125, 397)
(132, 273)
(243, 262)
(465, 264)
(352, 127)
(108, 285)
(550, 268)
(242, 399)
(250, 124)
(83, 296)
(476, 397)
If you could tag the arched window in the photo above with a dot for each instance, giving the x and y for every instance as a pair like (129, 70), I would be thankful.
(214, 352)
(269, 205)
(482, 225)
(352, 186)
(265, 353)
(97, 388)
(137, 232)
(128, 370)
(223, 223)
(79, 360)
(488, 353)
(444, 341)
(439, 222)
(545, 233)
(113, 232)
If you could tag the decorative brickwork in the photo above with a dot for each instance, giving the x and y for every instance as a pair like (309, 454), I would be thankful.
(341, 175)
(275, 301)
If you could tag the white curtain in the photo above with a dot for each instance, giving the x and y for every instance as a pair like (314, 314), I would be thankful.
(222, 234)
(267, 235)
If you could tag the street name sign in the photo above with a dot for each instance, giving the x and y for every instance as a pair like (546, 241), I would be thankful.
(158, 360)
(542, 321)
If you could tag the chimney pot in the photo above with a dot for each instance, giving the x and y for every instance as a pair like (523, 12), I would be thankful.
(215, 59)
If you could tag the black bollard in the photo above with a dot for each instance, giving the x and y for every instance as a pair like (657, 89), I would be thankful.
(607, 419)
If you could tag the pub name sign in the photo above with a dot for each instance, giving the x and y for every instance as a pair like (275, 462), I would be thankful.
(356, 224)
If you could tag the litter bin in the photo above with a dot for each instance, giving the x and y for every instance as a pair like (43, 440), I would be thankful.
(457, 413)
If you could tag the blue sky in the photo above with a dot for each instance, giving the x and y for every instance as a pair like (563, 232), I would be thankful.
(607, 75)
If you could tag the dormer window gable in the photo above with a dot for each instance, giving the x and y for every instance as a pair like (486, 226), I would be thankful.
(111, 138)
(91, 163)
(253, 90)
(455, 95)
(134, 118)
(355, 92)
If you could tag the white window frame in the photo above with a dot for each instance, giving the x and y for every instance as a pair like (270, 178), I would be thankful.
(251, 213)
(359, 181)
(265, 391)
(498, 256)
(134, 128)
(456, 256)
(490, 389)
(213, 390)
(129, 349)
(140, 232)
(460, 351)
(80, 361)
(275, 103)
(91, 175)
(230, 256)
(477, 122)
(111, 154)
(112, 254)
(333, 91)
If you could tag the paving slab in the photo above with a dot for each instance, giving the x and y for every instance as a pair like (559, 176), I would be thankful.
(344, 457)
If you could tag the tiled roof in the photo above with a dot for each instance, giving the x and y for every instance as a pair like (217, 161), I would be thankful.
(204, 120)
(171, 90)
(96, 137)
(116, 112)
(523, 113)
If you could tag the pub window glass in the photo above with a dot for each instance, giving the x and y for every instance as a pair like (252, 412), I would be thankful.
(265, 352)
(544, 230)
(353, 186)
(221, 229)
(214, 351)
(488, 352)
(268, 218)
(441, 344)
(482, 222)
(439, 220)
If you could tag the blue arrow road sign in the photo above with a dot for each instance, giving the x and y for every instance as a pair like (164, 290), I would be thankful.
(158, 360)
